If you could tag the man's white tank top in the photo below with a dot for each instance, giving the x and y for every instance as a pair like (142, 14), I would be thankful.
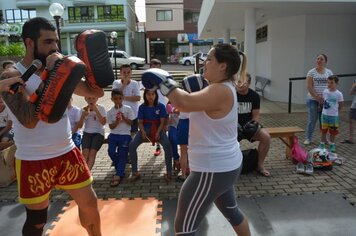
(45, 141)
(213, 145)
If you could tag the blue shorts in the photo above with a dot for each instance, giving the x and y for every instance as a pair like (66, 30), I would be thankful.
(183, 132)
(330, 123)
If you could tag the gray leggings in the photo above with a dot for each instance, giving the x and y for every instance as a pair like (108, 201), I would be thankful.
(198, 192)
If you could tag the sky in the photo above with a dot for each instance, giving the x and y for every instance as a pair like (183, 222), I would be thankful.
(140, 10)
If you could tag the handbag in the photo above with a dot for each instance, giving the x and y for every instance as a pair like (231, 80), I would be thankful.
(299, 154)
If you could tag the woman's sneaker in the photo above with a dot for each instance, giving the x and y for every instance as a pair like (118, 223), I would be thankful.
(322, 145)
(306, 142)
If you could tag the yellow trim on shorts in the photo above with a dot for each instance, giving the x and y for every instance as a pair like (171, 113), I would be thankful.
(34, 200)
(76, 186)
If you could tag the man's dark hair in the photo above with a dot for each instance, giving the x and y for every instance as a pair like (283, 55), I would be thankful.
(116, 92)
(7, 62)
(126, 66)
(155, 62)
(31, 29)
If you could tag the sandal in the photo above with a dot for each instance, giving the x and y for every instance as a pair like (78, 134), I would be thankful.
(134, 177)
(115, 181)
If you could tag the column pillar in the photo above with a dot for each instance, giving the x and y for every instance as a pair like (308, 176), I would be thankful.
(191, 49)
(227, 36)
(250, 43)
(148, 50)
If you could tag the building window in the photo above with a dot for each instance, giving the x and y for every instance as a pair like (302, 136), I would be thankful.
(191, 17)
(261, 34)
(81, 14)
(111, 13)
(17, 15)
(164, 15)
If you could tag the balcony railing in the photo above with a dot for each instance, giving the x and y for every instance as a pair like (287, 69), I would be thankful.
(96, 20)
(81, 2)
(32, 3)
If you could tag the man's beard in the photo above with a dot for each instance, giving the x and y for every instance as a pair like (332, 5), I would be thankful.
(40, 56)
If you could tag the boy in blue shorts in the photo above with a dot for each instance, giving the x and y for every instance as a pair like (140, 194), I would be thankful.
(333, 99)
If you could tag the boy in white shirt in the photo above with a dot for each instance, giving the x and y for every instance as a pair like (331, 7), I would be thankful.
(333, 99)
(131, 91)
(119, 118)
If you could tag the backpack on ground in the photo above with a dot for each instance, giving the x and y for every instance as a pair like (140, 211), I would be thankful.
(249, 161)
(320, 159)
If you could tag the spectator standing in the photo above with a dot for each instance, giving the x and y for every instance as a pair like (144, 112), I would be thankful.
(131, 90)
(316, 84)
(352, 115)
(332, 105)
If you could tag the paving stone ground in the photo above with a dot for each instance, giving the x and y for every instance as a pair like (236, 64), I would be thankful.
(283, 179)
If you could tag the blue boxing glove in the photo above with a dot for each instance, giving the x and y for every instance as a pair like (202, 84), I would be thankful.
(155, 78)
(194, 83)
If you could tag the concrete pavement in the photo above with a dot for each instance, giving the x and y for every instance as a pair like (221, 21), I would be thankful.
(283, 180)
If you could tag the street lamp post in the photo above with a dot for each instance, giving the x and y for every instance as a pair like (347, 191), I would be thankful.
(56, 10)
(114, 37)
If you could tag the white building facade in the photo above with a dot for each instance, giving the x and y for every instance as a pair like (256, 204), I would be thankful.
(79, 15)
(283, 38)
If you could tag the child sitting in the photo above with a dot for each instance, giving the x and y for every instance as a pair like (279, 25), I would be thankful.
(93, 118)
(119, 118)
(151, 117)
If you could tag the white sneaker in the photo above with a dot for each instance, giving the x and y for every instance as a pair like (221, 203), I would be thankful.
(306, 142)
(300, 168)
(309, 169)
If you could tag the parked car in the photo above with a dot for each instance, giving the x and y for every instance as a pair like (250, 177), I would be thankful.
(190, 60)
(123, 58)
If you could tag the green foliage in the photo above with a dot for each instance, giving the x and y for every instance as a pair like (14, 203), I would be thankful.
(13, 49)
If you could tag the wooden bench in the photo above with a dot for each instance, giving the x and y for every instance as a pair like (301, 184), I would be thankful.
(286, 134)
(260, 84)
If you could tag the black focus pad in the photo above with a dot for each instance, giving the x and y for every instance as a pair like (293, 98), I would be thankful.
(92, 49)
